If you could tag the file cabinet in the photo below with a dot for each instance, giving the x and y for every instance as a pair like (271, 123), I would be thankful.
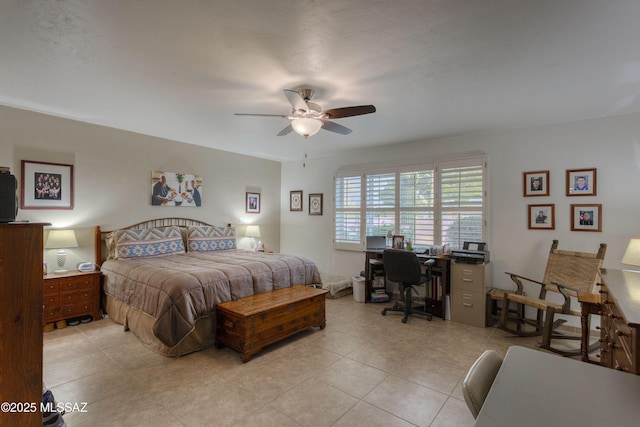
(469, 284)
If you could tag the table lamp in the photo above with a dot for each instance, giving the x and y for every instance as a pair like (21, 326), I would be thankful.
(632, 254)
(61, 239)
(252, 231)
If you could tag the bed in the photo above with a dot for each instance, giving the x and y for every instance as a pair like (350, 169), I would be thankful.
(164, 277)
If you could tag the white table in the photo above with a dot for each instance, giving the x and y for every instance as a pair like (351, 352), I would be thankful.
(534, 388)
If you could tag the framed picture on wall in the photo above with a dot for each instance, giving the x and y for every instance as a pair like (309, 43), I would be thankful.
(586, 217)
(541, 217)
(253, 203)
(581, 182)
(46, 185)
(315, 204)
(295, 200)
(175, 189)
(535, 183)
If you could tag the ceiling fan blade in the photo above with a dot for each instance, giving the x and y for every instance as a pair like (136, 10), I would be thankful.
(286, 131)
(337, 113)
(260, 115)
(334, 127)
(296, 100)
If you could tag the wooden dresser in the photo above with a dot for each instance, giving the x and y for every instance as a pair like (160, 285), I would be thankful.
(71, 294)
(21, 253)
(620, 320)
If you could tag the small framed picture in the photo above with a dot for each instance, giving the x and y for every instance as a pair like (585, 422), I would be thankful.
(541, 217)
(535, 183)
(46, 186)
(253, 203)
(581, 182)
(315, 204)
(295, 200)
(397, 242)
(586, 217)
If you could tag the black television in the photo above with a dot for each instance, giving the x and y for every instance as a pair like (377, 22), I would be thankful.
(8, 196)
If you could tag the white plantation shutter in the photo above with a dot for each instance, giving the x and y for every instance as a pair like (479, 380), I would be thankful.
(417, 209)
(462, 202)
(380, 203)
(431, 204)
(348, 211)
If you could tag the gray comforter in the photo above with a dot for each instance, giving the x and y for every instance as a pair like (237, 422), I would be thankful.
(176, 290)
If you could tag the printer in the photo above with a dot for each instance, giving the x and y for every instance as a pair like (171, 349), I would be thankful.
(471, 253)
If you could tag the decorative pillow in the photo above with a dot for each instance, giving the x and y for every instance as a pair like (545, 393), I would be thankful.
(148, 242)
(204, 238)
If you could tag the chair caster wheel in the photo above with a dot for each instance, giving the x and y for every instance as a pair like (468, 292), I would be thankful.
(384, 312)
(404, 320)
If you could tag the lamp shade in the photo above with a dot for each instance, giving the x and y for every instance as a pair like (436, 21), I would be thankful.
(252, 231)
(306, 126)
(59, 239)
(632, 254)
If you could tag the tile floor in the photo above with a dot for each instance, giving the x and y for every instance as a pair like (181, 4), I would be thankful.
(363, 369)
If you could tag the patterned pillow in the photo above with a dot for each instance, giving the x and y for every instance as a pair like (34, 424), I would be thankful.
(203, 238)
(148, 242)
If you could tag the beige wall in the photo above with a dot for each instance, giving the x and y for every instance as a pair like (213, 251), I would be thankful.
(612, 145)
(112, 176)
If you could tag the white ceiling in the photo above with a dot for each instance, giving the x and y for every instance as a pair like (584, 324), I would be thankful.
(433, 68)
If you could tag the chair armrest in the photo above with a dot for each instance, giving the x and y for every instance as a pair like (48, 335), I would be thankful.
(517, 280)
(566, 306)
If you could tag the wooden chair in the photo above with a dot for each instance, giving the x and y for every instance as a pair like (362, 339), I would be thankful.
(479, 379)
(567, 273)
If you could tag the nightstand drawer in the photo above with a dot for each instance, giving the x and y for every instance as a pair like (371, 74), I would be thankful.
(50, 300)
(83, 296)
(68, 311)
(68, 285)
(50, 313)
(51, 287)
(68, 297)
(71, 294)
(84, 308)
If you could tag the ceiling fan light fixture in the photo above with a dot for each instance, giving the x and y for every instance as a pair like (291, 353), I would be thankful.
(306, 126)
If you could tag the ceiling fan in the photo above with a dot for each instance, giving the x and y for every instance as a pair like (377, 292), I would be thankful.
(307, 118)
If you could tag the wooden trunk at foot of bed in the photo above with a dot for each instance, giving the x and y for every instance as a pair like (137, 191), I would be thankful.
(251, 323)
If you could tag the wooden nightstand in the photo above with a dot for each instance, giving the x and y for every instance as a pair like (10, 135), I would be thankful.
(71, 294)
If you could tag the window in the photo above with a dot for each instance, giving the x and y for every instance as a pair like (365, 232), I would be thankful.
(432, 204)
(348, 212)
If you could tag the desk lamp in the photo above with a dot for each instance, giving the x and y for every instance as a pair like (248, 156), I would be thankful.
(61, 239)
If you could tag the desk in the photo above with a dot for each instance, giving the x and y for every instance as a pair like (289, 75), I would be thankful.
(440, 269)
(620, 320)
(534, 388)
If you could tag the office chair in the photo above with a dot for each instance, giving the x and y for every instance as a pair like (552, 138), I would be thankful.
(403, 267)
